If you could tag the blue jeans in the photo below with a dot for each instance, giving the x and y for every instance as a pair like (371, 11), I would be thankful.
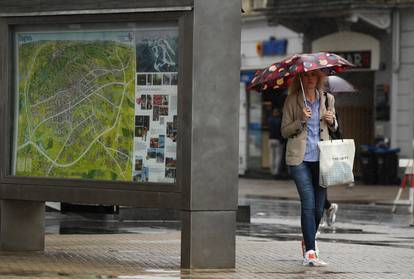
(312, 197)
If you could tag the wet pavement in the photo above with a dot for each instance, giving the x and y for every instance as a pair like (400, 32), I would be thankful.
(371, 239)
(348, 213)
(361, 224)
(367, 241)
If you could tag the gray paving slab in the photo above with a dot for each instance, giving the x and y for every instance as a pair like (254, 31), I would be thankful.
(157, 255)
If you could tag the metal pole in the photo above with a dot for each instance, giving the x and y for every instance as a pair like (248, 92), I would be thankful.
(303, 91)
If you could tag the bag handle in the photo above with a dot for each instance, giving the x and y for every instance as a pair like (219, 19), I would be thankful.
(338, 131)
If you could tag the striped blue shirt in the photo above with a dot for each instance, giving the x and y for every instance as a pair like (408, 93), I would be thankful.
(312, 127)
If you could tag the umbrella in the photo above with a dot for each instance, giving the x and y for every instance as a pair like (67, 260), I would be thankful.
(281, 74)
(337, 85)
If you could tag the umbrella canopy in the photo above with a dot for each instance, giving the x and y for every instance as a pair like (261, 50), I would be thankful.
(335, 85)
(281, 74)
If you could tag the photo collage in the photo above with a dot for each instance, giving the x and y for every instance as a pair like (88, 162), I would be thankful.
(155, 128)
(155, 140)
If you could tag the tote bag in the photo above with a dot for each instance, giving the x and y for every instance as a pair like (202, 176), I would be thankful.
(336, 162)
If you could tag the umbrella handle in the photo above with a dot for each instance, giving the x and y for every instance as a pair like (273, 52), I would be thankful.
(303, 91)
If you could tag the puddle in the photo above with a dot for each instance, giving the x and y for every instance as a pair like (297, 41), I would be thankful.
(59, 225)
(280, 232)
(347, 213)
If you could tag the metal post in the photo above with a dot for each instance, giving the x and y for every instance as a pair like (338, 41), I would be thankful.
(22, 225)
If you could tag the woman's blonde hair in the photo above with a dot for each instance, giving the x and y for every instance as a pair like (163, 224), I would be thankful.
(295, 87)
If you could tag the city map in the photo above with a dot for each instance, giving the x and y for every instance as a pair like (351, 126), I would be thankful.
(75, 104)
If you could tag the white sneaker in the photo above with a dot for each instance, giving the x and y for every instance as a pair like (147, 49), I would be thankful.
(304, 248)
(331, 214)
(311, 259)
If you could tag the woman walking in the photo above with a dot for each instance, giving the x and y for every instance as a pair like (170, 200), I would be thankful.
(305, 122)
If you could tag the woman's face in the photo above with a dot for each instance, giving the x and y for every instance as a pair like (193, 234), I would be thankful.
(310, 79)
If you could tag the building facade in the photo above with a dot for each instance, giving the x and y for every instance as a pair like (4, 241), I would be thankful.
(261, 45)
(378, 37)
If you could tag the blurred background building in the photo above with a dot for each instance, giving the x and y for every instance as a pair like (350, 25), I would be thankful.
(261, 45)
(376, 35)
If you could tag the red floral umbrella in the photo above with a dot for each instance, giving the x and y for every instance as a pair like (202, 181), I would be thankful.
(281, 74)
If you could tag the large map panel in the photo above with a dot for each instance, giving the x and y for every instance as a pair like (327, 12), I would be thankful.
(75, 105)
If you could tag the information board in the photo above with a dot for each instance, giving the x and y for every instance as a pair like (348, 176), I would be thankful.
(96, 104)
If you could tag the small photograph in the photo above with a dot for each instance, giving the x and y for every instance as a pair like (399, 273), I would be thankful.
(162, 120)
(146, 121)
(174, 79)
(156, 113)
(138, 132)
(164, 110)
(149, 101)
(151, 153)
(144, 133)
(160, 155)
(145, 174)
(142, 125)
(138, 101)
(139, 120)
(138, 163)
(166, 79)
(149, 79)
(143, 102)
(137, 177)
(154, 143)
(171, 131)
(170, 173)
(141, 79)
(156, 79)
(164, 100)
(161, 141)
(158, 99)
(170, 162)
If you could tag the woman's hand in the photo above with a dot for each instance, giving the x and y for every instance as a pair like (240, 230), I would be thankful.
(329, 117)
(307, 114)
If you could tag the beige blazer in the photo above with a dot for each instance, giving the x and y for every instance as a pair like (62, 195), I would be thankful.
(295, 132)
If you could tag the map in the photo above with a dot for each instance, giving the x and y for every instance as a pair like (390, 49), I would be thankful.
(157, 51)
(76, 100)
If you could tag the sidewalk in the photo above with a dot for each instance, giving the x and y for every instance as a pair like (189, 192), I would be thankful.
(286, 189)
(154, 253)
(157, 256)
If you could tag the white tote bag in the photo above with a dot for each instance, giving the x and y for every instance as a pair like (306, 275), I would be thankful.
(336, 162)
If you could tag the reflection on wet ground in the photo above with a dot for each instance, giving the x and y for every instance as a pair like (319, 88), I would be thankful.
(271, 220)
(75, 223)
(288, 233)
(347, 213)
(361, 224)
